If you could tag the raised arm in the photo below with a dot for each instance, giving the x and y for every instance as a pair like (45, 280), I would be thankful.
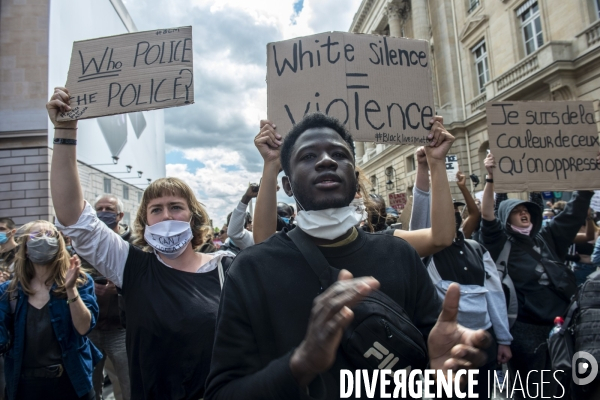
(268, 143)
(472, 221)
(92, 239)
(442, 231)
(487, 202)
(420, 215)
(236, 229)
(590, 230)
(65, 188)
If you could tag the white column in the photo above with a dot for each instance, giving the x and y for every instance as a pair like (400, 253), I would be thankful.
(420, 21)
(394, 20)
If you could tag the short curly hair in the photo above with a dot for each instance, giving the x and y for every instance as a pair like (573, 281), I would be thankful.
(314, 120)
(172, 187)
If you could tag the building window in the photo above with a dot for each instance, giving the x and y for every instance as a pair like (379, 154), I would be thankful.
(126, 218)
(597, 8)
(139, 197)
(107, 185)
(410, 164)
(531, 24)
(125, 192)
(481, 65)
(473, 4)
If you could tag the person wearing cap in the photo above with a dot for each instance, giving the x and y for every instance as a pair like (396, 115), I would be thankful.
(519, 223)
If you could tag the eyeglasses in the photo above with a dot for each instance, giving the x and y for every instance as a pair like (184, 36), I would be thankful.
(45, 232)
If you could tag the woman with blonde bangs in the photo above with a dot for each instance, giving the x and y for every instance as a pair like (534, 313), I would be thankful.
(171, 293)
(46, 310)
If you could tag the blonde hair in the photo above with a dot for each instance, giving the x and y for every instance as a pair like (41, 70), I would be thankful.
(24, 270)
(171, 187)
(363, 184)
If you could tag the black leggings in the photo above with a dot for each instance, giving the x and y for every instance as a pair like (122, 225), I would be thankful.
(50, 389)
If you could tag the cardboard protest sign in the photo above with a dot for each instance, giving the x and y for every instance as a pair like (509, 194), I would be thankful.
(451, 167)
(543, 145)
(379, 87)
(131, 72)
(397, 201)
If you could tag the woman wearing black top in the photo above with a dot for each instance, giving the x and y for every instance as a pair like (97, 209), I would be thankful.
(171, 294)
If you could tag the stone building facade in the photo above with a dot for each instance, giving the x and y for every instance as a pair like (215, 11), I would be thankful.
(25, 150)
(484, 50)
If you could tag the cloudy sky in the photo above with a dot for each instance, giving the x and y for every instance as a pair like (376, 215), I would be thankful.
(210, 143)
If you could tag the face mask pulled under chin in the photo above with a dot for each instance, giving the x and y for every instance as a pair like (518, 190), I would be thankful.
(328, 224)
(169, 238)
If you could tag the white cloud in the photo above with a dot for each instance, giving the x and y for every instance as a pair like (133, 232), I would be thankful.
(230, 38)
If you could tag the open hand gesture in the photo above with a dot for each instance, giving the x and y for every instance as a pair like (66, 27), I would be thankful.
(329, 317)
(452, 346)
(73, 272)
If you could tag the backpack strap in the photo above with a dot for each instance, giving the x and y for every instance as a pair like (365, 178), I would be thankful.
(480, 252)
(317, 261)
(223, 268)
(512, 307)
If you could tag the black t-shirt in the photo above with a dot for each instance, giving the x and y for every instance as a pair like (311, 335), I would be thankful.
(266, 304)
(171, 318)
(41, 346)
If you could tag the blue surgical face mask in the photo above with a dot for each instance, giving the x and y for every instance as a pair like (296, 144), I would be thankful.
(3, 237)
(286, 220)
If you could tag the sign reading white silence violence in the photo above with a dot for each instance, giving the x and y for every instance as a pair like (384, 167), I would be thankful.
(379, 87)
(542, 146)
(131, 72)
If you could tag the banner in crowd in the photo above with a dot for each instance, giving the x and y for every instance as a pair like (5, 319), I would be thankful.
(451, 167)
(543, 145)
(379, 87)
(131, 72)
(398, 201)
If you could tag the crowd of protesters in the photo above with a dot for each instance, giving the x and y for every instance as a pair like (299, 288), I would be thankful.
(171, 309)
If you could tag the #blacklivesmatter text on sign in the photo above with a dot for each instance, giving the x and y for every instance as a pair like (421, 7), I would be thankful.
(541, 146)
(379, 87)
(131, 72)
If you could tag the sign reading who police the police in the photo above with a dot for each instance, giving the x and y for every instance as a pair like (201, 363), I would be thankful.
(131, 72)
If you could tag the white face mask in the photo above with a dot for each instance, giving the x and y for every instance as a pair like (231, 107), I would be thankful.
(330, 223)
(169, 238)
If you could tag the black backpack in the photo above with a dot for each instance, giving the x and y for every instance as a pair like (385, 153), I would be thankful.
(580, 333)
(381, 335)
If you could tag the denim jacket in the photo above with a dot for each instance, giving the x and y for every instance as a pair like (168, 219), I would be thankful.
(79, 355)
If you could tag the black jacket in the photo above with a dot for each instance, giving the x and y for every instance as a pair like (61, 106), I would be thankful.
(538, 303)
(266, 305)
